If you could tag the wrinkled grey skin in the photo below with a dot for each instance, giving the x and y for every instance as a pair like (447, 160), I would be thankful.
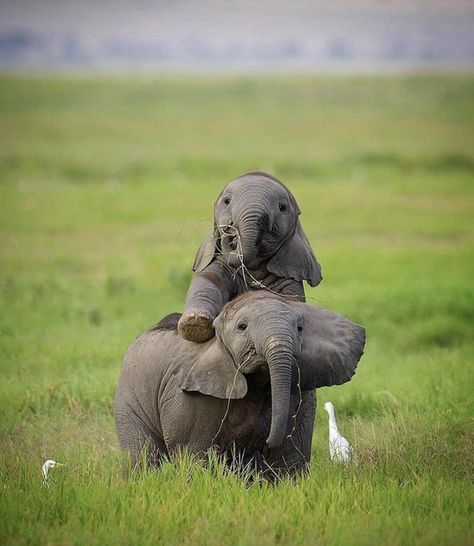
(248, 393)
(256, 217)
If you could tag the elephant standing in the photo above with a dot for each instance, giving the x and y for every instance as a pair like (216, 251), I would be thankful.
(257, 242)
(249, 392)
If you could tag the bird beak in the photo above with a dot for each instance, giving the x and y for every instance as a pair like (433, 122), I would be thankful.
(60, 464)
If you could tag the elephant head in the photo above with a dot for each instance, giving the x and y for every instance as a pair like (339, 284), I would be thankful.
(256, 222)
(260, 330)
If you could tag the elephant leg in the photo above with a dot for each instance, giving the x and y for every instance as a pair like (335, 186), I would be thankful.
(294, 455)
(207, 294)
(136, 439)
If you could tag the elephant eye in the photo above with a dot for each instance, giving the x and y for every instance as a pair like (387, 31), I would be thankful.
(241, 326)
(226, 200)
(282, 206)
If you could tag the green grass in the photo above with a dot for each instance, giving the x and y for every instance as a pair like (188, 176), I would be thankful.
(107, 187)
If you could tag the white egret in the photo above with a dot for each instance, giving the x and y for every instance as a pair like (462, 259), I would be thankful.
(45, 469)
(340, 450)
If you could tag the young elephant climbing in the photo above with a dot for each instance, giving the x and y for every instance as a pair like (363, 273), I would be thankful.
(247, 393)
(257, 242)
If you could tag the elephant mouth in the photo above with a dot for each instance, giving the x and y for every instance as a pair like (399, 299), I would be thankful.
(239, 248)
(233, 258)
(252, 362)
(231, 244)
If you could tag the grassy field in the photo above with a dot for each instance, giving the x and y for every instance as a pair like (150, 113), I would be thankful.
(106, 189)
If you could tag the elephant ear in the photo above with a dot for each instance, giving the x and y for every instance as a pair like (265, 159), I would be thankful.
(215, 374)
(295, 260)
(332, 348)
(207, 250)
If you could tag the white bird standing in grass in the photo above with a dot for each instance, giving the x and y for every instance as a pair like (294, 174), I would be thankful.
(340, 450)
(45, 469)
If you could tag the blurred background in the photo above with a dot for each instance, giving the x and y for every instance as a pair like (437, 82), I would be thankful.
(276, 35)
(120, 122)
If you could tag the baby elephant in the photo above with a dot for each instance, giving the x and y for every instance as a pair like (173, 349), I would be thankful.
(257, 241)
(248, 393)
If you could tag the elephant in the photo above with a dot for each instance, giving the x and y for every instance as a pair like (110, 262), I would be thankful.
(257, 242)
(248, 393)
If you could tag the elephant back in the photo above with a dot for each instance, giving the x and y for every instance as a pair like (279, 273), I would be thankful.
(169, 322)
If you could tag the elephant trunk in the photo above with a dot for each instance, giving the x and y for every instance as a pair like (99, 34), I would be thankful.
(251, 227)
(279, 356)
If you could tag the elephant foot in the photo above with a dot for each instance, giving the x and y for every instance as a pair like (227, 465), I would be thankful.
(196, 326)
